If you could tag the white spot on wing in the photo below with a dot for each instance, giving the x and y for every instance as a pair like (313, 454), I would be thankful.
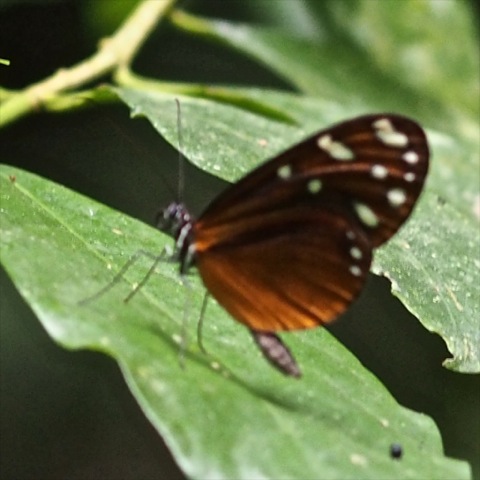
(396, 197)
(285, 171)
(366, 215)
(379, 171)
(409, 176)
(355, 270)
(356, 253)
(336, 150)
(314, 186)
(410, 157)
(386, 133)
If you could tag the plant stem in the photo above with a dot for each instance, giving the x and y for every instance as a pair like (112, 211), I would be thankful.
(114, 52)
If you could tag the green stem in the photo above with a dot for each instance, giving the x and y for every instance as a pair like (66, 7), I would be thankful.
(115, 52)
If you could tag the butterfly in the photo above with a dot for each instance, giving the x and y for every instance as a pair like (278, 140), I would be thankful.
(289, 246)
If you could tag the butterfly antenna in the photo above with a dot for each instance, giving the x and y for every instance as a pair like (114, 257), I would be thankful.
(181, 158)
(134, 146)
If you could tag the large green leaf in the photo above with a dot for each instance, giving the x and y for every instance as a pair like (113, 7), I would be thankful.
(227, 142)
(224, 416)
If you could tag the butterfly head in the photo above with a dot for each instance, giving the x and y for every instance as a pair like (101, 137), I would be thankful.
(172, 218)
(176, 220)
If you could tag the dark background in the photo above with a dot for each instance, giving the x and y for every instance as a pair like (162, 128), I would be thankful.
(69, 414)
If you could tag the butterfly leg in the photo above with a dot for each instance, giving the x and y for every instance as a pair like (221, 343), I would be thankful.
(183, 341)
(276, 352)
(186, 314)
(136, 256)
(183, 338)
(165, 253)
(200, 324)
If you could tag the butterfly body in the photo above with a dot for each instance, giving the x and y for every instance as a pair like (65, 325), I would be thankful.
(289, 245)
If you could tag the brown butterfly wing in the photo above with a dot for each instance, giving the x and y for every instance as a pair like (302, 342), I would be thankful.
(374, 161)
(290, 272)
(289, 245)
